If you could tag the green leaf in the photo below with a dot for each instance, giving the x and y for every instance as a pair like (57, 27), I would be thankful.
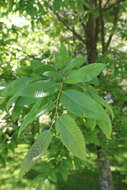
(53, 75)
(14, 88)
(16, 112)
(81, 105)
(39, 67)
(61, 58)
(90, 71)
(45, 108)
(11, 101)
(71, 136)
(30, 117)
(57, 4)
(22, 101)
(39, 186)
(100, 100)
(38, 149)
(85, 74)
(105, 126)
(90, 123)
(95, 81)
(74, 77)
(75, 63)
(37, 110)
(40, 89)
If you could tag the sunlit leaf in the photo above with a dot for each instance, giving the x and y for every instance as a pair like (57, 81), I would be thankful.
(105, 126)
(85, 74)
(71, 136)
(82, 105)
(75, 63)
(40, 89)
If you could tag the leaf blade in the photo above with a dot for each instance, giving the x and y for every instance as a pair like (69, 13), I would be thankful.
(40, 89)
(82, 105)
(106, 127)
(71, 136)
(35, 112)
(75, 63)
(100, 100)
(85, 74)
(38, 148)
(91, 71)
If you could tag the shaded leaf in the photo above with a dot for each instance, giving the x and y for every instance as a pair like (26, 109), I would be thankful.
(100, 100)
(22, 101)
(61, 58)
(37, 110)
(30, 117)
(90, 123)
(38, 149)
(11, 101)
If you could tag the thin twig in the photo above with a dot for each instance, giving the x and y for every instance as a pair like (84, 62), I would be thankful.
(57, 104)
(67, 25)
(114, 4)
(116, 18)
(105, 5)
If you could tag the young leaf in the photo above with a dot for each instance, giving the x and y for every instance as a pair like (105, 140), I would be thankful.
(38, 148)
(71, 136)
(81, 105)
(61, 58)
(90, 123)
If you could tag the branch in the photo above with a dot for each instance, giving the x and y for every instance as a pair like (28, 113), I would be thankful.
(66, 24)
(113, 5)
(102, 26)
(107, 2)
(116, 18)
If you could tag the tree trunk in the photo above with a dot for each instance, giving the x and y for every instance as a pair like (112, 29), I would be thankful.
(92, 32)
(106, 182)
